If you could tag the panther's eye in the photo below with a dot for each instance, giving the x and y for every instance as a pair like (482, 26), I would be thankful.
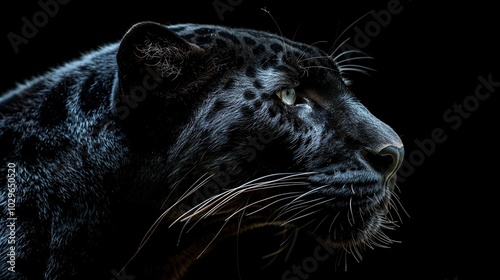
(287, 95)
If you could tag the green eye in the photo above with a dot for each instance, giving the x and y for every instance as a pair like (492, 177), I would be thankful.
(287, 95)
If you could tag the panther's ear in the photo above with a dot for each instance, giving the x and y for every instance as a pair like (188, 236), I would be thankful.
(152, 58)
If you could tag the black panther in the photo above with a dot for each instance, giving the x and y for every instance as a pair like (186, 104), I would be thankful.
(147, 153)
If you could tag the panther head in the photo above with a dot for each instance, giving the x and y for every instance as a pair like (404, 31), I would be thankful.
(238, 129)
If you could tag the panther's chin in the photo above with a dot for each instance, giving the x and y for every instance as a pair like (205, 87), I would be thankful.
(369, 234)
(356, 218)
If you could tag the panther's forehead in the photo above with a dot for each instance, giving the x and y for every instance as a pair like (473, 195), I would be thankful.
(265, 61)
(252, 45)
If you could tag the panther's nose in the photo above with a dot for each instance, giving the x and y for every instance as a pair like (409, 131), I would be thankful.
(388, 160)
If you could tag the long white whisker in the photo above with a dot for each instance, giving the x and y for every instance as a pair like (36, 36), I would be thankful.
(289, 195)
(319, 224)
(296, 218)
(338, 47)
(222, 199)
(348, 52)
(304, 52)
(238, 244)
(231, 195)
(300, 196)
(353, 58)
(308, 223)
(253, 185)
(307, 208)
(333, 221)
(279, 29)
(353, 70)
(287, 208)
(322, 67)
(314, 57)
(347, 28)
(157, 222)
(211, 241)
(350, 212)
(357, 66)
(397, 200)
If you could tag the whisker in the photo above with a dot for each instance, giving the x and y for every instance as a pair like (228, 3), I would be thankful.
(338, 47)
(216, 202)
(333, 221)
(353, 58)
(307, 208)
(301, 196)
(350, 213)
(356, 253)
(304, 52)
(360, 212)
(357, 66)
(351, 25)
(300, 217)
(389, 213)
(313, 58)
(211, 241)
(353, 70)
(321, 67)
(274, 201)
(308, 223)
(230, 195)
(279, 29)
(319, 224)
(348, 52)
(157, 222)
(295, 234)
(382, 238)
(149, 233)
(399, 204)
(237, 244)
(295, 207)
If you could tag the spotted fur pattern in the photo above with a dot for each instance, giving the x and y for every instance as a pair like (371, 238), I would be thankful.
(179, 136)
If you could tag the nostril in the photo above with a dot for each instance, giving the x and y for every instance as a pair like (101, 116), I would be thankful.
(397, 155)
(388, 160)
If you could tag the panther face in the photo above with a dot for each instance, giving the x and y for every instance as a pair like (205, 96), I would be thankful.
(273, 136)
(179, 138)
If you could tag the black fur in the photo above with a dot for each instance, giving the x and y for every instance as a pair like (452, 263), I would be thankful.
(105, 144)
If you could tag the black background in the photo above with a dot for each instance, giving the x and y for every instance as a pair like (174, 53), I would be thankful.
(428, 59)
